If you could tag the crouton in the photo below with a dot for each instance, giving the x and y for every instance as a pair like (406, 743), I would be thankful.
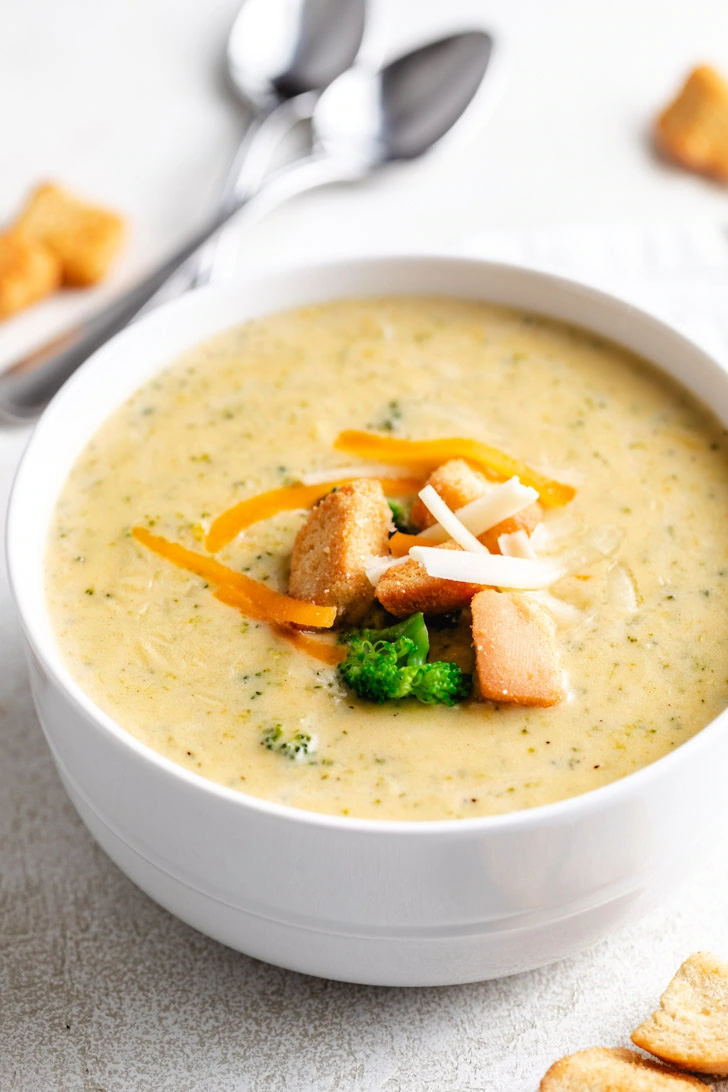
(601, 1069)
(457, 483)
(330, 554)
(28, 272)
(690, 1028)
(522, 521)
(515, 650)
(85, 238)
(694, 128)
(405, 589)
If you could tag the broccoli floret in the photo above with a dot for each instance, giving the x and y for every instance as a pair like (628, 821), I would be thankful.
(410, 629)
(441, 682)
(291, 744)
(400, 515)
(378, 670)
(388, 664)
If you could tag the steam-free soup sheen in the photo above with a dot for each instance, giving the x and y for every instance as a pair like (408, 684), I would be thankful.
(255, 407)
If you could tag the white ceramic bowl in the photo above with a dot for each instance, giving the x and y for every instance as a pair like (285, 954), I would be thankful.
(361, 900)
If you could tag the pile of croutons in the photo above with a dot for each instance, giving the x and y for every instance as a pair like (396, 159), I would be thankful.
(56, 240)
(514, 636)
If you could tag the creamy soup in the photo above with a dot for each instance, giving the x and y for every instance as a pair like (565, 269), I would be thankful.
(642, 638)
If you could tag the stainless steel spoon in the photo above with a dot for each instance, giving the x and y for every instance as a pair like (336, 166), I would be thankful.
(366, 119)
(280, 55)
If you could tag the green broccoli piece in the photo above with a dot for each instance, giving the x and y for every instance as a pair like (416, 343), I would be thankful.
(400, 515)
(410, 629)
(441, 683)
(388, 664)
(292, 744)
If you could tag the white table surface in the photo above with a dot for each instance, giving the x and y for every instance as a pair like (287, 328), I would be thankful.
(100, 990)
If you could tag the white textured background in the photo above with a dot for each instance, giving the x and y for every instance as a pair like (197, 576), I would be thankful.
(100, 990)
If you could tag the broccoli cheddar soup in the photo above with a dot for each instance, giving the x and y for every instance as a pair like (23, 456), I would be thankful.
(407, 558)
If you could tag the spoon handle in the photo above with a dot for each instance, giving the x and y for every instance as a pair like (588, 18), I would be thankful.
(247, 173)
(29, 384)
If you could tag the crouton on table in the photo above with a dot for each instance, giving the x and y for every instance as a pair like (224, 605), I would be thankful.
(331, 551)
(407, 588)
(28, 272)
(694, 128)
(85, 238)
(516, 654)
(601, 1069)
(690, 1028)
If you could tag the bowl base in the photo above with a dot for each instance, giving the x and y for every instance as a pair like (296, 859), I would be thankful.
(361, 960)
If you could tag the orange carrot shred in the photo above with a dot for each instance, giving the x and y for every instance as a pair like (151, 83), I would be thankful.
(264, 505)
(250, 596)
(312, 646)
(278, 608)
(424, 456)
(400, 543)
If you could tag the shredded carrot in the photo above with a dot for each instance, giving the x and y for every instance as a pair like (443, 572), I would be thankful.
(231, 522)
(278, 608)
(312, 646)
(424, 456)
(250, 596)
(400, 543)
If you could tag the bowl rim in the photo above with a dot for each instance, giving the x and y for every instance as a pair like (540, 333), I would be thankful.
(565, 810)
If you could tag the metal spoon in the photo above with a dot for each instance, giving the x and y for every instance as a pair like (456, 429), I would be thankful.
(280, 55)
(366, 119)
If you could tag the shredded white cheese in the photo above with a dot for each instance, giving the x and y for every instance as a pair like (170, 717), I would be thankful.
(498, 503)
(564, 614)
(553, 529)
(490, 570)
(365, 470)
(376, 567)
(449, 522)
(516, 544)
(606, 539)
(621, 591)
(505, 500)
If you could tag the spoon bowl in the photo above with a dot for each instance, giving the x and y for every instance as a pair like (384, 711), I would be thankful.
(399, 112)
(278, 49)
(281, 54)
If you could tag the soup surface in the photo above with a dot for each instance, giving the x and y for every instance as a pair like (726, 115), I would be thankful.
(644, 647)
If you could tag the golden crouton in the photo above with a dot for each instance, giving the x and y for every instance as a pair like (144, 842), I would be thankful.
(405, 589)
(516, 655)
(694, 128)
(690, 1028)
(457, 483)
(85, 238)
(331, 551)
(601, 1069)
(28, 271)
(525, 520)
